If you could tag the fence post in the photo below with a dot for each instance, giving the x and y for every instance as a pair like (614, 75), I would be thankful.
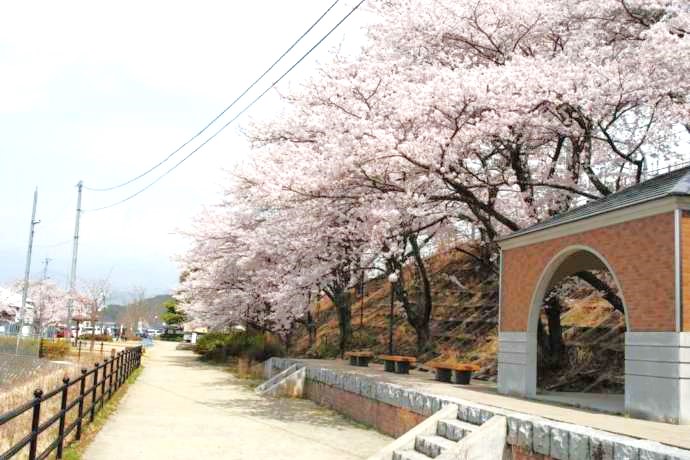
(101, 348)
(117, 370)
(110, 377)
(105, 370)
(63, 416)
(93, 391)
(80, 415)
(35, 419)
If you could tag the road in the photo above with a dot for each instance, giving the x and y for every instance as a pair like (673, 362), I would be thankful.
(181, 408)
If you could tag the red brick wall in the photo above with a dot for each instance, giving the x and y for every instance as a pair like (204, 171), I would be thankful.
(685, 268)
(391, 420)
(520, 454)
(641, 253)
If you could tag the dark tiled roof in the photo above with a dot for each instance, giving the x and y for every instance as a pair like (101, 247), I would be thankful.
(675, 183)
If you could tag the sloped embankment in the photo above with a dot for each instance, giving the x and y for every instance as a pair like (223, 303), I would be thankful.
(464, 326)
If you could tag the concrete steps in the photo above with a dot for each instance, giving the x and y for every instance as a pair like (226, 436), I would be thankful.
(288, 383)
(444, 437)
(409, 455)
(432, 445)
(454, 429)
(275, 379)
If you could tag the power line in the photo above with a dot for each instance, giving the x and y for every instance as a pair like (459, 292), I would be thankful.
(254, 101)
(232, 104)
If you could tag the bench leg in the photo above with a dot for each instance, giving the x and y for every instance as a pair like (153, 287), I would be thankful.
(353, 360)
(462, 377)
(402, 367)
(363, 361)
(443, 375)
(389, 366)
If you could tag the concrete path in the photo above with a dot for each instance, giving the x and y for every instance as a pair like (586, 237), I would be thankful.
(181, 408)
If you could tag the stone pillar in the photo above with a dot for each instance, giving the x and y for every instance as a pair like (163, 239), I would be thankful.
(517, 363)
(657, 376)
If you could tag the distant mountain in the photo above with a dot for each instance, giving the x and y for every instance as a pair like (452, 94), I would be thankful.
(153, 304)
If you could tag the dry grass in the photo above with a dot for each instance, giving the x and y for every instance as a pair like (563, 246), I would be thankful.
(16, 429)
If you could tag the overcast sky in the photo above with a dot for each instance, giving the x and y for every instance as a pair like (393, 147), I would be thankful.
(100, 92)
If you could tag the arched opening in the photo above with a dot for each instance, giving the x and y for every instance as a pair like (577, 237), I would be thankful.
(577, 323)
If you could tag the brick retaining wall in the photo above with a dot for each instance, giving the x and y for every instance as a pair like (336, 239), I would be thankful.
(393, 409)
(390, 420)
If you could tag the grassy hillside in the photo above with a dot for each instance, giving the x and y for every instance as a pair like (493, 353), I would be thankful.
(464, 326)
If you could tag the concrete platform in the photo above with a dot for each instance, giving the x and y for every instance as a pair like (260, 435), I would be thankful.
(554, 409)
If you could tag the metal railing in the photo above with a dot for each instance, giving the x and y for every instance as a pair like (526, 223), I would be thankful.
(104, 378)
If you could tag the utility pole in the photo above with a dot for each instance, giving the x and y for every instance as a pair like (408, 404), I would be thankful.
(46, 261)
(73, 272)
(25, 288)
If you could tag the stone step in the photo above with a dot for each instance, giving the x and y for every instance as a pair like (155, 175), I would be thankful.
(432, 445)
(408, 455)
(454, 429)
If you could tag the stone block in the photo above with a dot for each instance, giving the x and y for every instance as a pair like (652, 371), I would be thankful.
(651, 455)
(578, 446)
(600, 449)
(485, 416)
(351, 383)
(474, 415)
(367, 388)
(524, 437)
(406, 399)
(559, 444)
(513, 428)
(625, 452)
(435, 404)
(541, 433)
(462, 412)
(396, 395)
(381, 392)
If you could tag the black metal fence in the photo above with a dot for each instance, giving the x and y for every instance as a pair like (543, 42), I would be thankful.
(94, 386)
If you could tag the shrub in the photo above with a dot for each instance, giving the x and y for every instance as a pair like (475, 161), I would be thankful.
(218, 346)
(54, 350)
(172, 337)
(207, 343)
(261, 350)
(97, 337)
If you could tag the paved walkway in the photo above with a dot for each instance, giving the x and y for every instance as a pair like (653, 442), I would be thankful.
(673, 435)
(181, 408)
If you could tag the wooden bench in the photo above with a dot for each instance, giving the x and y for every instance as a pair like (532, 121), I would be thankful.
(397, 364)
(359, 358)
(460, 373)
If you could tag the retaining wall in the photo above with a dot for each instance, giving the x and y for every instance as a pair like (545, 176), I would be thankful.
(393, 409)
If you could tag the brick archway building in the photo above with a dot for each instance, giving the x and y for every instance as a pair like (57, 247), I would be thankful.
(641, 235)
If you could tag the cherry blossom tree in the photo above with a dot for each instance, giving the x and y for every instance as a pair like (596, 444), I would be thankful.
(454, 116)
(50, 303)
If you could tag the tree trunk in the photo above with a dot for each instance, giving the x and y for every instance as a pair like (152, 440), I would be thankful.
(423, 337)
(424, 299)
(345, 326)
(342, 302)
(553, 315)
